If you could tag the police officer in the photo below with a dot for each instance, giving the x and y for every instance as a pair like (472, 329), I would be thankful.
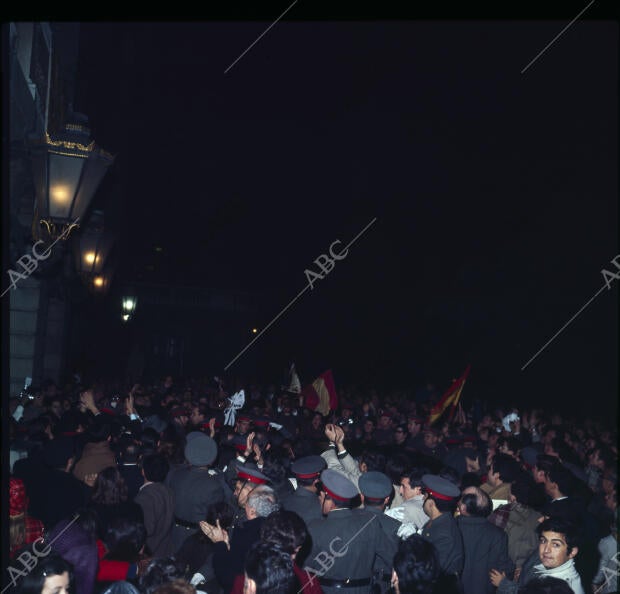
(377, 489)
(347, 541)
(440, 501)
(195, 486)
(304, 500)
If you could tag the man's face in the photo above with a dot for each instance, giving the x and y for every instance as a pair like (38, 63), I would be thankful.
(413, 427)
(407, 491)
(196, 417)
(384, 422)
(242, 426)
(242, 491)
(430, 439)
(553, 550)
(368, 427)
(399, 435)
(492, 440)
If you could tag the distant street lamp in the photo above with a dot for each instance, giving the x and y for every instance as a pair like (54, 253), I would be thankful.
(129, 307)
(93, 248)
(68, 168)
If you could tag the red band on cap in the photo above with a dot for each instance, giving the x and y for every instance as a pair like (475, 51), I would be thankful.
(252, 479)
(439, 495)
(306, 476)
(334, 496)
(372, 500)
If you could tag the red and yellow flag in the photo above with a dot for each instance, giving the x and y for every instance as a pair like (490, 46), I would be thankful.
(450, 398)
(321, 394)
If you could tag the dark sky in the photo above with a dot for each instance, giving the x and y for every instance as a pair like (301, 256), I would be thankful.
(495, 192)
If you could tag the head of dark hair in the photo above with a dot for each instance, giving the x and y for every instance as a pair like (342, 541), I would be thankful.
(99, 431)
(285, 529)
(155, 467)
(477, 503)
(149, 438)
(507, 467)
(416, 565)
(159, 571)
(523, 488)
(110, 487)
(124, 538)
(546, 585)
(470, 479)
(396, 467)
(52, 564)
(564, 479)
(415, 476)
(561, 526)
(271, 568)
(545, 462)
(373, 459)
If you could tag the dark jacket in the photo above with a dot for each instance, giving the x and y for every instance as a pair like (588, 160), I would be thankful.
(228, 564)
(383, 570)
(446, 536)
(194, 490)
(304, 503)
(485, 547)
(345, 545)
(157, 503)
(96, 456)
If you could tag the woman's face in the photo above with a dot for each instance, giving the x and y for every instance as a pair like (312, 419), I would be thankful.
(56, 584)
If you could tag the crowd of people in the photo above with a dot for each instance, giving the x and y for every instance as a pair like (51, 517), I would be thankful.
(174, 489)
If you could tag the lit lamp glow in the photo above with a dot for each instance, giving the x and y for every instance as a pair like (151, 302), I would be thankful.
(129, 306)
(68, 168)
(99, 281)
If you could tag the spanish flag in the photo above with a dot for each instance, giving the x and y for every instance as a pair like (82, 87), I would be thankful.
(321, 395)
(450, 398)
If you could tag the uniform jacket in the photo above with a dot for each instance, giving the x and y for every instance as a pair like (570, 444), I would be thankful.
(345, 545)
(382, 570)
(446, 536)
(194, 490)
(304, 503)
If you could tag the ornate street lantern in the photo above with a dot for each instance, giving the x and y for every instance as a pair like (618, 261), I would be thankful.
(68, 168)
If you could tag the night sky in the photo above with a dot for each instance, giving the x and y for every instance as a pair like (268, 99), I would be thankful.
(494, 192)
